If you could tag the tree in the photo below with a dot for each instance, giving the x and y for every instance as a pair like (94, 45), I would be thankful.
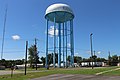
(19, 62)
(68, 58)
(77, 59)
(43, 61)
(3, 62)
(109, 59)
(8, 63)
(118, 58)
(114, 60)
(100, 59)
(50, 59)
(33, 55)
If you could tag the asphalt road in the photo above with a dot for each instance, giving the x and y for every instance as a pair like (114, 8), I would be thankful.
(3, 72)
(77, 77)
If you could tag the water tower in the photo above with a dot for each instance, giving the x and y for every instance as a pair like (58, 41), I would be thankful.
(60, 17)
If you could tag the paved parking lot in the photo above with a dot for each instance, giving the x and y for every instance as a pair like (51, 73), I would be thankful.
(77, 77)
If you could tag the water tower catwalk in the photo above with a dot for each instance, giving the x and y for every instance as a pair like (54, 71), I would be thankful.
(59, 35)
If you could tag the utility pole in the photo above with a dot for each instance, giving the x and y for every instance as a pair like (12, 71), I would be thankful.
(26, 56)
(95, 58)
(91, 49)
(36, 53)
(94, 53)
(109, 58)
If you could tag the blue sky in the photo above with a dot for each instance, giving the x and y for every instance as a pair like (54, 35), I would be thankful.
(25, 18)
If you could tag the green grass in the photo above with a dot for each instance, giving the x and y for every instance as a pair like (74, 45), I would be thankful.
(25, 77)
(85, 71)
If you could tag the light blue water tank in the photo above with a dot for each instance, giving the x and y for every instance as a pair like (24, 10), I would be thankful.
(61, 12)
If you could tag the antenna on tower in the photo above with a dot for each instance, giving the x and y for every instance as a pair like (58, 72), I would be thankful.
(4, 27)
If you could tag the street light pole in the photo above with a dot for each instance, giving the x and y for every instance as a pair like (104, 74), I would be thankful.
(26, 57)
(91, 49)
(35, 53)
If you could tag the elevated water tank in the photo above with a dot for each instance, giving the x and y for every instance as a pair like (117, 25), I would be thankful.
(60, 16)
(61, 12)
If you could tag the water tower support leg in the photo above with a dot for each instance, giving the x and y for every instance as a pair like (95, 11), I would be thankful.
(72, 43)
(63, 47)
(47, 44)
(66, 42)
(59, 54)
(54, 41)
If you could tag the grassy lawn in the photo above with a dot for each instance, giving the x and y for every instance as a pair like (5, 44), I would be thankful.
(86, 71)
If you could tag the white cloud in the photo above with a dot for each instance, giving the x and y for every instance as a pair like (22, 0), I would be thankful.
(15, 37)
(51, 31)
(76, 53)
(99, 52)
(89, 52)
(69, 45)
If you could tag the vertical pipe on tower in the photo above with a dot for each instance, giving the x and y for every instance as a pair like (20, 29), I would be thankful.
(71, 43)
(66, 41)
(54, 40)
(63, 47)
(59, 55)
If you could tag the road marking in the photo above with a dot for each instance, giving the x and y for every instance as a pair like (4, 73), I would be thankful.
(107, 71)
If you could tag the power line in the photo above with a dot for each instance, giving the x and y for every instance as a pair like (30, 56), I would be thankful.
(10, 39)
(14, 51)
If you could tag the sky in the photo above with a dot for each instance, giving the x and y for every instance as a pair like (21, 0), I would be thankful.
(26, 21)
